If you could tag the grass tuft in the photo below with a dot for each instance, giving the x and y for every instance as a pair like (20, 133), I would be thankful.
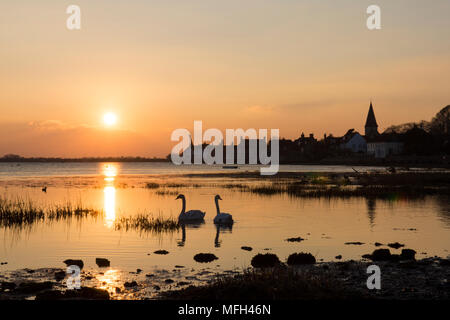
(147, 223)
(24, 212)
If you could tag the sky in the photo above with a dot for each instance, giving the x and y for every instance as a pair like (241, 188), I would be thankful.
(293, 65)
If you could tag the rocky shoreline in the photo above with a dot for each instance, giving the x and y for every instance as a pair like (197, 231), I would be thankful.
(425, 279)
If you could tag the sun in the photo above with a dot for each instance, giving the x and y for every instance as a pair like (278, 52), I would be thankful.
(109, 119)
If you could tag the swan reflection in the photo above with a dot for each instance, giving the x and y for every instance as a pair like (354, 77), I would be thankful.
(221, 228)
(191, 225)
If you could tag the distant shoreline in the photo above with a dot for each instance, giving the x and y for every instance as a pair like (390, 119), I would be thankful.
(401, 162)
(106, 159)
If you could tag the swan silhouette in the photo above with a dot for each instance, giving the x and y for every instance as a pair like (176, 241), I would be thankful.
(221, 217)
(191, 215)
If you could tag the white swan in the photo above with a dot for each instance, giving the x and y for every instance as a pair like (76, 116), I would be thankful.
(221, 217)
(191, 215)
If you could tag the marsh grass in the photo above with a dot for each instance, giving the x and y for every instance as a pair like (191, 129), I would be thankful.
(384, 186)
(152, 185)
(279, 283)
(165, 192)
(147, 223)
(21, 212)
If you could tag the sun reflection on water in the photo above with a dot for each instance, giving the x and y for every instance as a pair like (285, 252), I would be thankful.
(110, 172)
(109, 280)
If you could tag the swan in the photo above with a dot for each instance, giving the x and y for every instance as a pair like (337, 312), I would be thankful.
(191, 215)
(221, 217)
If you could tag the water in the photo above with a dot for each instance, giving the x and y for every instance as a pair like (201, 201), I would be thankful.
(39, 169)
(261, 222)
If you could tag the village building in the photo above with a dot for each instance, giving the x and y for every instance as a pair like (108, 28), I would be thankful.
(354, 142)
(380, 145)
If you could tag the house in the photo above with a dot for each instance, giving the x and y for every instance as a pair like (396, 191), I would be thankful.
(354, 142)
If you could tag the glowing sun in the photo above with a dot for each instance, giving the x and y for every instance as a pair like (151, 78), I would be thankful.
(109, 119)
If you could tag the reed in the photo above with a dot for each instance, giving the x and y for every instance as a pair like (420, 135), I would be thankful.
(21, 212)
(147, 223)
(386, 190)
(152, 185)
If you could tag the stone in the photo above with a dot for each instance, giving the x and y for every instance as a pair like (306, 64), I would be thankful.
(408, 254)
(130, 284)
(381, 255)
(395, 245)
(267, 260)
(161, 252)
(298, 239)
(74, 262)
(301, 258)
(102, 262)
(205, 257)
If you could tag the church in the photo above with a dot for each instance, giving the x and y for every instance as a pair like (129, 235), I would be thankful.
(372, 143)
(380, 145)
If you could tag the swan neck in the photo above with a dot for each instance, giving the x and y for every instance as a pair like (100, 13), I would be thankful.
(183, 209)
(217, 206)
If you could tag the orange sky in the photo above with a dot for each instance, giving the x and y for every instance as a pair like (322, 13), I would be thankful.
(159, 65)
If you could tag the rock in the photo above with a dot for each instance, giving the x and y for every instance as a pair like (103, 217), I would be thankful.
(356, 243)
(149, 275)
(169, 281)
(182, 283)
(205, 257)
(72, 262)
(60, 275)
(161, 252)
(130, 284)
(298, 239)
(179, 267)
(247, 248)
(102, 262)
(408, 254)
(381, 255)
(367, 256)
(4, 285)
(267, 260)
(339, 257)
(156, 287)
(33, 287)
(377, 244)
(301, 258)
(138, 271)
(118, 290)
(395, 245)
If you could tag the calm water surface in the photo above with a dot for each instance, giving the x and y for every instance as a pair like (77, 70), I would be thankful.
(261, 222)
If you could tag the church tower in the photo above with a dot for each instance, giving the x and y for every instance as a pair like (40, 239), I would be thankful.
(371, 127)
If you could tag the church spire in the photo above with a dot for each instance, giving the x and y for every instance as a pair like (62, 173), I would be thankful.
(371, 127)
